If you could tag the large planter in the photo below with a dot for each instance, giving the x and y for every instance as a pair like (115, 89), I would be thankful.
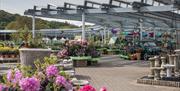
(29, 55)
(81, 61)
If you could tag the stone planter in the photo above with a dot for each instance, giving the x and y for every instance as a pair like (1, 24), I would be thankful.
(81, 61)
(29, 55)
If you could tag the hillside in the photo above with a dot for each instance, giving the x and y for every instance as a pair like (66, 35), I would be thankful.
(15, 21)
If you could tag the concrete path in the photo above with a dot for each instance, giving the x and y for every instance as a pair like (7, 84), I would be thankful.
(119, 75)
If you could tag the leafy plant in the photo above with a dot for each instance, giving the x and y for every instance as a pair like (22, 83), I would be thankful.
(24, 35)
(40, 65)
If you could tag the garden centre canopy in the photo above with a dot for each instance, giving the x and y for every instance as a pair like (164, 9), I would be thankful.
(138, 14)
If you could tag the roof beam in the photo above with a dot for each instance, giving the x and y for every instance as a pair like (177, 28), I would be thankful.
(118, 10)
(157, 8)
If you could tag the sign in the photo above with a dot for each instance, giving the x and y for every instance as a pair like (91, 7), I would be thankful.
(113, 40)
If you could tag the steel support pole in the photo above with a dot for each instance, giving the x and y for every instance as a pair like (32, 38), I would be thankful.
(154, 34)
(108, 34)
(33, 26)
(104, 35)
(141, 30)
(83, 25)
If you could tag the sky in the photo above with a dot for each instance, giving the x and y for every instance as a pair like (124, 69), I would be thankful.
(19, 6)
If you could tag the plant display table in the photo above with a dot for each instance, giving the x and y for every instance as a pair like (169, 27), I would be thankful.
(4, 60)
(113, 51)
(94, 61)
(80, 61)
(103, 50)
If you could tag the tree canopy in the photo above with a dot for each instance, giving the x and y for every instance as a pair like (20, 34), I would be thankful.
(15, 22)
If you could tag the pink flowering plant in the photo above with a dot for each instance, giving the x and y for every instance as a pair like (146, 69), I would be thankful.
(29, 84)
(52, 71)
(78, 48)
(13, 76)
(63, 53)
(47, 77)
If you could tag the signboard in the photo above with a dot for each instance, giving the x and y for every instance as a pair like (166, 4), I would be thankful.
(113, 40)
(77, 37)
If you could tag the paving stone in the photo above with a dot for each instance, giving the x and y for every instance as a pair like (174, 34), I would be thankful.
(119, 75)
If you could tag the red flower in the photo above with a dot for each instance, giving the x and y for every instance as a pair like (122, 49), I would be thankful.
(87, 88)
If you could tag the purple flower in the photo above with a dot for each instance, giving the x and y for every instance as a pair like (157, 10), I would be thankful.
(68, 86)
(29, 84)
(60, 81)
(114, 31)
(14, 76)
(52, 71)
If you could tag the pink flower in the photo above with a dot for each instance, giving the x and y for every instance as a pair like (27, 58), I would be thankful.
(1, 87)
(68, 86)
(87, 88)
(9, 75)
(52, 71)
(60, 81)
(15, 76)
(29, 84)
(103, 89)
(62, 53)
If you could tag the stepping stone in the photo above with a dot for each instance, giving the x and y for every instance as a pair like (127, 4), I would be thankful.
(70, 72)
(68, 66)
(80, 82)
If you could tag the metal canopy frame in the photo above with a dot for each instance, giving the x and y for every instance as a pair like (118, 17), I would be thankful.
(135, 9)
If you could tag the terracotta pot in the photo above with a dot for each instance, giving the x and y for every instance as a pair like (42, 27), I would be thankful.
(6, 56)
(133, 57)
(1, 56)
(138, 55)
(13, 55)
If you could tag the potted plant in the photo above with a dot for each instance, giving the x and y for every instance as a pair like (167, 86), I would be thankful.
(13, 52)
(138, 53)
(48, 78)
(1, 52)
(94, 53)
(31, 48)
(77, 50)
(6, 52)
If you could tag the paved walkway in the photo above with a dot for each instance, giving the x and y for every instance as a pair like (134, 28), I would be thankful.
(119, 75)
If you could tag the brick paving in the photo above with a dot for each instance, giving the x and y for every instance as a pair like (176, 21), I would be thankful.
(119, 75)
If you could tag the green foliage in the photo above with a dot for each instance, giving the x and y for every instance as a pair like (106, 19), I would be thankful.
(37, 42)
(23, 34)
(40, 65)
(15, 22)
(5, 19)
